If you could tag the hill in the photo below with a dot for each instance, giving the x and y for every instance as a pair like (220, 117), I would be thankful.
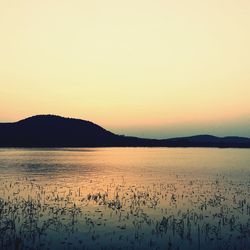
(56, 131)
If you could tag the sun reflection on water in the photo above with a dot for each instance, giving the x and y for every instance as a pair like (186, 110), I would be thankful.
(124, 199)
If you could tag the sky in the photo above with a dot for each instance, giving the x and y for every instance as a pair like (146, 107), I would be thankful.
(149, 68)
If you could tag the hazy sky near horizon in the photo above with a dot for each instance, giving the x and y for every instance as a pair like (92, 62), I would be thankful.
(151, 68)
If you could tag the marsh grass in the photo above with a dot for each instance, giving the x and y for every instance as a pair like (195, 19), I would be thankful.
(174, 212)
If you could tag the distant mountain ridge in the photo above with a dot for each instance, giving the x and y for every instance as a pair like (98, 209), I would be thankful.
(57, 131)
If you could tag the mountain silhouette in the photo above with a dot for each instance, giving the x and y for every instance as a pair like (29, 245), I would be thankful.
(57, 131)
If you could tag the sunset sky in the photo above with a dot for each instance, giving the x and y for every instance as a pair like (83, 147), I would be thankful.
(148, 68)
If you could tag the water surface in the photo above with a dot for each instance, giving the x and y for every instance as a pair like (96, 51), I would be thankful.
(125, 198)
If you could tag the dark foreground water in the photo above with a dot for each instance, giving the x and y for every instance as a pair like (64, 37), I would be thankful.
(125, 198)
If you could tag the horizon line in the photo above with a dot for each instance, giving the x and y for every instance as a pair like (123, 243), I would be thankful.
(80, 119)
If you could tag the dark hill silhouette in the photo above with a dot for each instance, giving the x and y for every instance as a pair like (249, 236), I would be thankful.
(56, 131)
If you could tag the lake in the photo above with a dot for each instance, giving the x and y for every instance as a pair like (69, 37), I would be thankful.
(125, 198)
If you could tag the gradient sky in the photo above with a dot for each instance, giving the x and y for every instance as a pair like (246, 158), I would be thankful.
(153, 68)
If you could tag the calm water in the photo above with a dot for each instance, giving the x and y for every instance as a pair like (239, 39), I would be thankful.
(125, 198)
